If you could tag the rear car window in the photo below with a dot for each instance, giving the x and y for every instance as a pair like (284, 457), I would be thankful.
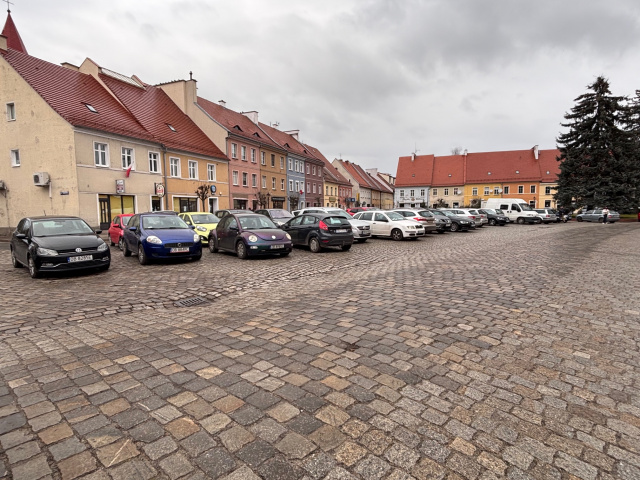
(335, 221)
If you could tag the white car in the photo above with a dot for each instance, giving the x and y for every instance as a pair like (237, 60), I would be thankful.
(391, 224)
(361, 230)
(465, 212)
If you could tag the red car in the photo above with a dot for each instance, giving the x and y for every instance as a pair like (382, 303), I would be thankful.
(117, 227)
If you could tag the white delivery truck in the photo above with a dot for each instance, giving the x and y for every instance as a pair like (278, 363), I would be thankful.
(516, 209)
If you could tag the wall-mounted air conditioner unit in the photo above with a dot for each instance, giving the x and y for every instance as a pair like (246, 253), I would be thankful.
(41, 179)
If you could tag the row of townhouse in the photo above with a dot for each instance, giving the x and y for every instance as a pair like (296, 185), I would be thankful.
(370, 188)
(87, 141)
(472, 178)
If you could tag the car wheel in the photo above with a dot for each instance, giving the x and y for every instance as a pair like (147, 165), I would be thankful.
(142, 256)
(361, 240)
(104, 268)
(346, 248)
(579, 219)
(213, 248)
(520, 221)
(33, 270)
(492, 222)
(314, 245)
(14, 260)
(285, 254)
(241, 250)
(396, 234)
(125, 249)
(538, 221)
(121, 243)
(197, 257)
(600, 220)
(455, 227)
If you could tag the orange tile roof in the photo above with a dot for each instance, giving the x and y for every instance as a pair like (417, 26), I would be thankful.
(355, 174)
(504, 165)
(68, 92)
(14, 41)
(416, 172)
(155, 111)
(236, 123)
(448, 171)
(289, 143)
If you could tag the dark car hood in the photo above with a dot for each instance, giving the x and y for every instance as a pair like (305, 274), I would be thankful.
(171, 235)
(63, 242)
(268, 234)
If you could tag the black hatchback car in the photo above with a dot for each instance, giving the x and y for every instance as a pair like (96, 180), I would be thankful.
(57, 244)
(319, 230)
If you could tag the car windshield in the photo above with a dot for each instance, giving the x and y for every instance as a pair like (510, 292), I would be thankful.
(447, 213)
(340, 213)
(69, 226)
(474, 212)
(424, 213)
(204, 218)
(125, 220)
(498, 211)
(163, 222)
(280, 214)
(525, 207)
(394, 216)
(256, 222)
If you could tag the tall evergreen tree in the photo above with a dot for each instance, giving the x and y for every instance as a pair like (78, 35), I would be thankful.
(598, 164)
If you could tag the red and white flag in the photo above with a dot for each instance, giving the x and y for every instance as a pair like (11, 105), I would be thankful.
(129, 169)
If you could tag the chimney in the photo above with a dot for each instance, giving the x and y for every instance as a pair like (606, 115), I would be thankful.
(252, 115)
(70, 66)
(536, 152)
(464, 152)
(413, 156)
(294, 133)
(222, 103)
(3, 43)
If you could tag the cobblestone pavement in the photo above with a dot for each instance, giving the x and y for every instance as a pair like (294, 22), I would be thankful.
(509, 352)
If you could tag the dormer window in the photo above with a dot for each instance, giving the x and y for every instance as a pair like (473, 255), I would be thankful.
(257, 135)
(171, 127)
(287, 145)
(91, 108)
(11, 112)
(237, 127)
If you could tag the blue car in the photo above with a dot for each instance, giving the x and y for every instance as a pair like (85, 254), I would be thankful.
(157, 235)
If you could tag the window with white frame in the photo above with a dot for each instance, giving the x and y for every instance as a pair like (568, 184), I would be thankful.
(15, 158)
(174, 167)
(532, 189)
(235, 176)
(193, 169)
(547, 190)
(245, 179)
(234, 150)
(253, 155)
(314, 170)
(290, 165)
(547, 203)
(434, 191)
(282, 182)
(474, 191)
(101, 154)
(486, 190)
(520, 188)
(154, 162)
(211, 172)
(402, 193)
(243, 153)
(254, 180)
(308, 184)
(326, 189)
(281, 163)
(308, 169)
(412, 193)
(263, 158)
(291, 185)
(11, 112)
(506, 190)
(297, 186)
(314, 187)
(422, 192)
(496, 190)
(446, 192)
(264, 181)
(273, 160)
(273, 183)
(127, 157)
(457, 191)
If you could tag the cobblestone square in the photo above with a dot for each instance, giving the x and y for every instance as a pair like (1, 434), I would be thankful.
(507, 352)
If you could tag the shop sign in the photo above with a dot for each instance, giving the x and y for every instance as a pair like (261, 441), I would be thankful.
(159, 189)
(119, 186)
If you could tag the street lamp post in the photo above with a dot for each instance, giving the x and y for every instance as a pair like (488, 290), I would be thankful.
(268, 198)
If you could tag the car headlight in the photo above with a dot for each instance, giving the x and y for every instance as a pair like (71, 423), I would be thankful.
(410, 227)
(196, 237)
(354, 229)
(463, 221)
(253, 238)
(102, 247)
(153, 239)
(288, 236)
(201, 229)
(46, 252)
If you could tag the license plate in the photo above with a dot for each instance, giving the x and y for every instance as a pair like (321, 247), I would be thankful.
(180, 250)
(80, 258)
(274, 247)
(341, 230)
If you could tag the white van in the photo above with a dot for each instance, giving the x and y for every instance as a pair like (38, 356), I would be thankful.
(516, 209)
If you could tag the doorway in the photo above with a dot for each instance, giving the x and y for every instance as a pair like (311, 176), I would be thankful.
(213, 204)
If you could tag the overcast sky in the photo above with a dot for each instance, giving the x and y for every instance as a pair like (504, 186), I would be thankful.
(367, 80)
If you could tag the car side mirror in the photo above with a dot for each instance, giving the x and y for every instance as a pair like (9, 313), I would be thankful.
(21, 236)
(233, 229)
(98, 232)
(133, 229)
(117, 225)
(192, 227)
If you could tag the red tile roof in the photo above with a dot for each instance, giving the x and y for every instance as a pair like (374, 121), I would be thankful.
(10, 31)
(504, 165)
(384, 185)
(68, 92)
(355, 174)
(155, 111)
(416, 172)
(549, 163)
(448, 171)
(289, 143)
(329, 170)
(236, 123)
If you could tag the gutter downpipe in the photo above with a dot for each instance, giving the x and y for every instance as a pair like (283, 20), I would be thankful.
(164, 173)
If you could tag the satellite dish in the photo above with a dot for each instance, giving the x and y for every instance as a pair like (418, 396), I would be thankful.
(499, 190)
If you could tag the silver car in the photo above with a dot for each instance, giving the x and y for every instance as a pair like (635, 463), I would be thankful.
(426, 219)
(596, 216)
(361, 230)
(464, 212)
(548, 215)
